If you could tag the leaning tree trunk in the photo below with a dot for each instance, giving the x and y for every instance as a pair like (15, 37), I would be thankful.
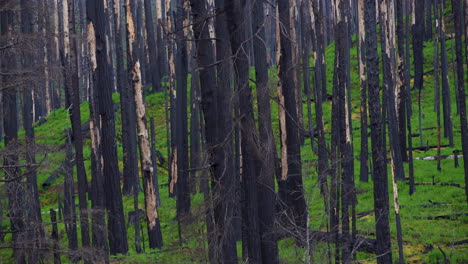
(381, 203)
(134, 75)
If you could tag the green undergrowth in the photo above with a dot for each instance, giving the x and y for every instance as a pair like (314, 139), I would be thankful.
(425, 241)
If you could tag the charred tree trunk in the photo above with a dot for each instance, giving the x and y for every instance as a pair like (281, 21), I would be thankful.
(381, 204)
(446, 101)
(75, 118)
(458, 17)
(69, 214)
(36, 234)
(117, 233)
(266, 179)
(152, 47)
(387, 15)
(97, 195)
(14, 186)
(129, 145)
(291, 188)
(134, 75)
(250, 157)
(181, 131)
(418, 37)
(205, 56)
(364, 157)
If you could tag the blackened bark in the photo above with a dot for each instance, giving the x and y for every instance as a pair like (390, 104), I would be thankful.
(390, 86)
(129, 145)
(381, 204)
(402, 72)
(181, 131)
(34, 210)
(428, 19)
(54, 236)
(205, 57)
(341, 115)
(117, 233)
(195, 144)
(364, 156)
(266, 179)
(153, 162)
(75, 118)
(291, 190)
(458, 17)
(251, 157)
(69, 214)
(152, 47)
(97, 196)
(418, 35)
(14, 188)
(226, 191)
(446, 101)
(320, 86)
(135, 78)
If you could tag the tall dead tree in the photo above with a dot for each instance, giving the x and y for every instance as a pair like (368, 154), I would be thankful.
(266, 178)
(209, 94)
(36, 234)
(14, 185)
(364, 156)
(97, 196)
(458, 17)
(387, 13)
(381, 203)
(134, 75)
(446, 101)
(152, 47)
(116, 231)
(181, 130)
(73, 91)
(291, 190)
(250, 157)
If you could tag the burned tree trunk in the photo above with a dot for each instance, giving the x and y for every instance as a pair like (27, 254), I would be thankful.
(75, 118)
(117, 233)
(250, 157)
(14, 185)
(266, 178)
(458, 17)
(291, 188)
(381, 203)
(134, 75)
(36, 234)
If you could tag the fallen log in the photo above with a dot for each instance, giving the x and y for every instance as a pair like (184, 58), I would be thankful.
(56, 174)
(425, 148)
(439, 217)
(439, 183)
(362, 244)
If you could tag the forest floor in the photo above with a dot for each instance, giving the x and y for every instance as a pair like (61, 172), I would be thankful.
(428, 237)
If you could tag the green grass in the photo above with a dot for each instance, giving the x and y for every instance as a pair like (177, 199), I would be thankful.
(423, 239)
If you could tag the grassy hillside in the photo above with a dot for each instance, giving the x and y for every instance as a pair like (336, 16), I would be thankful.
(425, 241)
